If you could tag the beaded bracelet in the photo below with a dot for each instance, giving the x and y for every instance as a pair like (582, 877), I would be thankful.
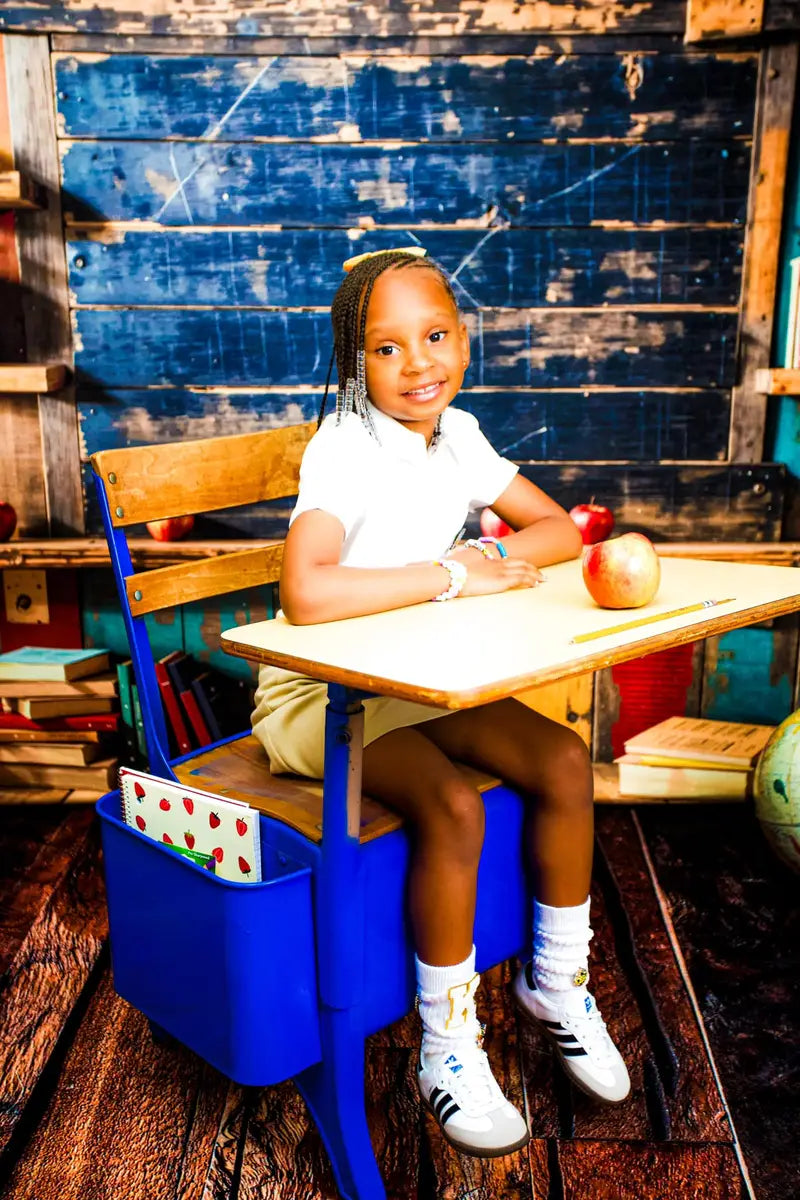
(501, 550)
(458, 577)
(477, 544)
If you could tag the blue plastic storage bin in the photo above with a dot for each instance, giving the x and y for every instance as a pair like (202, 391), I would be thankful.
(227, 968)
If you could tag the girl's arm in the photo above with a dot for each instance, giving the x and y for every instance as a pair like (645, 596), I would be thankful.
(545, 534)
(315, 587)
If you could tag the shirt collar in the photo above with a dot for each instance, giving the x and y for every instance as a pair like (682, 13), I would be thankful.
(402, 442)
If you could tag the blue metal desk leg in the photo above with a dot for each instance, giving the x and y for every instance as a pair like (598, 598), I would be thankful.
(334, 1088)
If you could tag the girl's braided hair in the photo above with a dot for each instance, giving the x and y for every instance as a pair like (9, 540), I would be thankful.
(349, 310)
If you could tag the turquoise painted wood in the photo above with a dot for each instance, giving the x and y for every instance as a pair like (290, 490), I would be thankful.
(204, 620)
(535, 348)
(567, 426)
(297, 185)
(102, 622)
(750, 673)
(495, 268)
(649, 97)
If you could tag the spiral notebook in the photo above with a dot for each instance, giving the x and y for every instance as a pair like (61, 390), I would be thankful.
(228, 830)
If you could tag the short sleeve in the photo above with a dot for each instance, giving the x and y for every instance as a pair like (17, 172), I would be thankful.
(330, 474)
(486, 473)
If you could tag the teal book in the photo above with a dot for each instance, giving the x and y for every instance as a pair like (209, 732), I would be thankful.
(49, 663)
(129, 751)
(138, 724)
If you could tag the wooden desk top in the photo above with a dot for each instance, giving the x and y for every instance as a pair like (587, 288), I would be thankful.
(471, 651)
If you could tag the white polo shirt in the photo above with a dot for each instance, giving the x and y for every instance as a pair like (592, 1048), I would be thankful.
(399, 501)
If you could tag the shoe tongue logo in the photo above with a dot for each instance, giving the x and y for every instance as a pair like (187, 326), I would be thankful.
(453, 1063)
(588, 1004)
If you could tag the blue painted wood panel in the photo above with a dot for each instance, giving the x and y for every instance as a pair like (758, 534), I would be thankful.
(500, 267)
(102, 623)
(631, 95)
(749, 674)
(564, 426)
(539, 348)
(296, 185)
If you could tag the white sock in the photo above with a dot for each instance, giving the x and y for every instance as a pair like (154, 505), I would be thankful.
(561, 939)
(446, 1001)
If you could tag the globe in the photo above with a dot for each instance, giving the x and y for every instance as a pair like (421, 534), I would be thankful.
(776, 790)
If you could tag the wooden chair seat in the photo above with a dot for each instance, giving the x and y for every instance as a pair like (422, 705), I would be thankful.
(239, 770)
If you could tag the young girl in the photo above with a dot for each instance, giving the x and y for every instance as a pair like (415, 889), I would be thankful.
(385, 486)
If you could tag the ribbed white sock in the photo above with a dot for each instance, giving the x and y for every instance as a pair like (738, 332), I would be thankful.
(446, 998)
(561, 939)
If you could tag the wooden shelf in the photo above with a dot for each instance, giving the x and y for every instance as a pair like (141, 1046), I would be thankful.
(17, 191)
(147, 553)
(32, 378)
(778, 381)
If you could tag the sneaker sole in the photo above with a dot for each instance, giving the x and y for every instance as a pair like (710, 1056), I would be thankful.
(473, 1151)
(578, 1083)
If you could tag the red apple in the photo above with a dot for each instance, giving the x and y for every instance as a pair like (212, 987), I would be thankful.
(492, 525)
(623, 572)
(8, 520)
(595, 522)
(170, 529)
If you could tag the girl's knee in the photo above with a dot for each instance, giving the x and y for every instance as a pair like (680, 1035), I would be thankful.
(455, 813)
(567, 775)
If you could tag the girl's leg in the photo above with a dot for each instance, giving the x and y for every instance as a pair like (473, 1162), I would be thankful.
(551, 765)
(446, 817)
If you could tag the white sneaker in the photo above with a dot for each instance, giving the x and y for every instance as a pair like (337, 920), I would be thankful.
(579, 1035)
(463, 1094)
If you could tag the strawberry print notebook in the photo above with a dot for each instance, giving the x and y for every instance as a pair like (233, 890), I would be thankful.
(167, 812)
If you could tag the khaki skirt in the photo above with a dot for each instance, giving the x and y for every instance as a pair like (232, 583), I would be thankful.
(289, 720)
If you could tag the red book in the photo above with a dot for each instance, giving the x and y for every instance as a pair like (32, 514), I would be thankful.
(103, 722)
(172, 708)
(201, 732)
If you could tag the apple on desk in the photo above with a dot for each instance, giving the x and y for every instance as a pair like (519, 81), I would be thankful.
(623, 572)
(594, 521)
(8, 520)
(170, 529)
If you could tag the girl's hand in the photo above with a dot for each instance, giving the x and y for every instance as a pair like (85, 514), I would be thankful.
(489, 575)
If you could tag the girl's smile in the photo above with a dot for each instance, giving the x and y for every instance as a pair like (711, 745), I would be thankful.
(416, 348)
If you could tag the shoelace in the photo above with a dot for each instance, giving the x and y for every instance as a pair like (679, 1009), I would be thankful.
(474, 1088)
(591, 1029)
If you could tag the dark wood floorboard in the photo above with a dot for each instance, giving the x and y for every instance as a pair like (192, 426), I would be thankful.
(92, 1108)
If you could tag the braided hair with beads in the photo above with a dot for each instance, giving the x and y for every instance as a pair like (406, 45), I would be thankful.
(349, 320)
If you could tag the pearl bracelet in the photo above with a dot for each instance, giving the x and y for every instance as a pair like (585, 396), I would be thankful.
(458, 577)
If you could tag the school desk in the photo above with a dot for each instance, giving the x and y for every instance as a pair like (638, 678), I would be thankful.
(455, 655)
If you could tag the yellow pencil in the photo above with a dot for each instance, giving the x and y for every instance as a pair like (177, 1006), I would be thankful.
(675, 612)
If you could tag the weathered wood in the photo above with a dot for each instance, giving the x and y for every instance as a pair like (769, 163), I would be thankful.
(507, 268)
(194, 580)
(723, 19)
(32, 378)
(681, 503)
(150, 482)
(270, 18)
(778, 381)
(627, 1171)
(777, 84)
(413, 98)
(283, 1152)
(749, 675)
(632, 696)
(695, 1109)
(37, 848)
(43, 272)
(129, 1117)
(17, 191)
(46, 974)
(525, 347)
(647, 425)
(297, 185)
(21, 472)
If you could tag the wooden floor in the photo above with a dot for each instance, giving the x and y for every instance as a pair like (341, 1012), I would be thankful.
(92, 1109)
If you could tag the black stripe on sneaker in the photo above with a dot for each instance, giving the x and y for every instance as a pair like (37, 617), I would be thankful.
(572, 1051)
(565, 1038)
(441, 1103)
(448, 1112)
(553, 1024)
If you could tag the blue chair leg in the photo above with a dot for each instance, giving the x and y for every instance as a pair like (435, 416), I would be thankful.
(334, 1092)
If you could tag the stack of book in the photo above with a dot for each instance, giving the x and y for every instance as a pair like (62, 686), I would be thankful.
(691, 758)
(57, 723)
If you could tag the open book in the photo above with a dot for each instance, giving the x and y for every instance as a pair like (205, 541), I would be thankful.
(227, 830)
